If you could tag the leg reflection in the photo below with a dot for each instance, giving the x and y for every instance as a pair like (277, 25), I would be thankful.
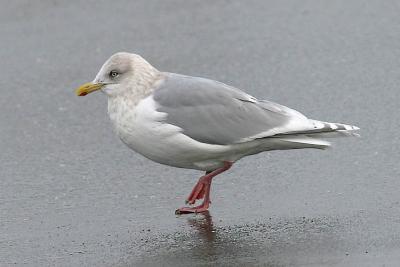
(203, 223)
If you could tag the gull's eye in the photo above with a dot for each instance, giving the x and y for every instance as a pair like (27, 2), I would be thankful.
(114, 74)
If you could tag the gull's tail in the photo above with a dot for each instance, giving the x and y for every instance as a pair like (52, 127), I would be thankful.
(311, 138)
(331, 129)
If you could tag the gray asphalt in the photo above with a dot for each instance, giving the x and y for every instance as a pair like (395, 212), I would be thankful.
(71, 194)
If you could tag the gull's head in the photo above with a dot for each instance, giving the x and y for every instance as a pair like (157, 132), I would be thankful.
(119, 74)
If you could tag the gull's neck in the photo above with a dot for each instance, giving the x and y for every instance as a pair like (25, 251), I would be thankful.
(121, 107)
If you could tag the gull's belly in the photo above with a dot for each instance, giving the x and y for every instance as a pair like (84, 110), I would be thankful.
(164, 143)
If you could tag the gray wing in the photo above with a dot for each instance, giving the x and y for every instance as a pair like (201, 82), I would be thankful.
(215, 113)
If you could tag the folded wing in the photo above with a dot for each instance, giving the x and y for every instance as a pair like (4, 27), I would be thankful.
(215, 113)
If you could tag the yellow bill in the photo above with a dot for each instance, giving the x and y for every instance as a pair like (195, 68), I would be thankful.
(88, 88)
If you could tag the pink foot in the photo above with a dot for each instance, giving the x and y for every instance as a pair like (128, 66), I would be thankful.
(201, 208)
(202, 189)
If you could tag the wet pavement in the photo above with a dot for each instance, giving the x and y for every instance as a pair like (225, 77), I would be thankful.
(71, 194)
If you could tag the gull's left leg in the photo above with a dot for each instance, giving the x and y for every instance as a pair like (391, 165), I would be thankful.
(202, 188)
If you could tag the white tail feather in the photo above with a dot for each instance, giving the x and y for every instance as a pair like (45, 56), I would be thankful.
(310, 138)
(303, 141)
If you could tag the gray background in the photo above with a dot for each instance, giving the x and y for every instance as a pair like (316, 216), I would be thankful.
(71, 194)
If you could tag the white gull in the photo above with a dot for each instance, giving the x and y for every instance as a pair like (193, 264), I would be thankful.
(197, 123)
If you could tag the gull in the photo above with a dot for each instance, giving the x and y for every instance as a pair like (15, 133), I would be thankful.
(198, 123)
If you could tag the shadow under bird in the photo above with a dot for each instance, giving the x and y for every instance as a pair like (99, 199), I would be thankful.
(197, 123)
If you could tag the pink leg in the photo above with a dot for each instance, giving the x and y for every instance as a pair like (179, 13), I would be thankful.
(199, 189)
(202, 188)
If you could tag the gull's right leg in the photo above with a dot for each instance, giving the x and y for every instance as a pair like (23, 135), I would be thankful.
(202, 189)
(199, 189)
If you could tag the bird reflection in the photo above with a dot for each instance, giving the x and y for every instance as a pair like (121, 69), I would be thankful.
(203, 223)
(205, 233)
